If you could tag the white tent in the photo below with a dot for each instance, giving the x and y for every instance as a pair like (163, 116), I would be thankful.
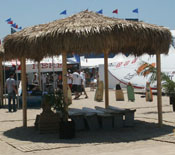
(126, 70)
(95, 62)
(46, 64)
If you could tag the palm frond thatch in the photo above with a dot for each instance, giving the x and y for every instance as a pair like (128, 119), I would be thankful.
(1, 51)
(87, 32)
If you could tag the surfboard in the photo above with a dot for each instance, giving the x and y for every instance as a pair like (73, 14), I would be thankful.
(99, 92)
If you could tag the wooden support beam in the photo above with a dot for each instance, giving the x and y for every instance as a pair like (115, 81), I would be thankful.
(39, 75)
(64, 77)
(106, 78)
(24, 91)
(1, 83)
(159, 91)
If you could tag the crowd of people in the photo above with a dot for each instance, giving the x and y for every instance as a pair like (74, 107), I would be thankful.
(49, 82)
(76, 81)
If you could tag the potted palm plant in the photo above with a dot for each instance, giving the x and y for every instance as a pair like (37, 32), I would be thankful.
(67, 127)
(168, 85)
(169, 88)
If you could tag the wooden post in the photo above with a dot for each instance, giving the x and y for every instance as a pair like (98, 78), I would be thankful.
(39, 75)
(64, 77)
(106, 78)
(159, 91)
(1, 83)
(4, 78)
(24, 92)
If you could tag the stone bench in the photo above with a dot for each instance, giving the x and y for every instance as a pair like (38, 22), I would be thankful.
(128, 114)
(104, 119)
(91, 118)
(77, 115)
(118, 121)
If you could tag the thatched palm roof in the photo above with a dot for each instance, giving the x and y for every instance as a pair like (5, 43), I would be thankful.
(87, 32)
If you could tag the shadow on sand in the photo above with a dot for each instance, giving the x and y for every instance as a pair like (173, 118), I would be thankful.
(141, 131)
(155, 112)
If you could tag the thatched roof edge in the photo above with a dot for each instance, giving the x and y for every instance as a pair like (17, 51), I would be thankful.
(87, 32)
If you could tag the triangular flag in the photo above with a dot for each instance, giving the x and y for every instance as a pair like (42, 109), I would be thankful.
(135, 10)
(115, 11)
(20, 28)
(100, 11)
(14, 25)
(12, 30)
(63, 12)
(8, 20)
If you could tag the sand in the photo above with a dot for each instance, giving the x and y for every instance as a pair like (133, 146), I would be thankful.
(142, 139)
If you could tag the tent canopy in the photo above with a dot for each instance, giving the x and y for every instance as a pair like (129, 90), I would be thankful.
(46, 65)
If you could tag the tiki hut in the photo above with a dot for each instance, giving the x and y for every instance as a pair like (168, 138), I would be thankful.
(1, 74)
(88, 32)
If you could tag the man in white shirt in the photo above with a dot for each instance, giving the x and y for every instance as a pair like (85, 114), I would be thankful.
(76, 84)
(82, 74)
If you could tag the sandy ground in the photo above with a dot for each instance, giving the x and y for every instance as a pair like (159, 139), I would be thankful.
(142, 139)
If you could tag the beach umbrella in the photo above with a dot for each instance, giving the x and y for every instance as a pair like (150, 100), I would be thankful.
(87, 32)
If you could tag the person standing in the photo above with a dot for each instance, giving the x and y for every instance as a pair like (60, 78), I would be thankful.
(55, 80)
(82, 74)
(12, 91)
(35, 79)
(76, 83)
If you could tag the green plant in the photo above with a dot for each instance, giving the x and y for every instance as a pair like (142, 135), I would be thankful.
(150, 70)
(57, 102)
(167, 84)
(169, 87)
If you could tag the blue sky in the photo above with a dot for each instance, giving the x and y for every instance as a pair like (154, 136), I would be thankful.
(32, 12)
